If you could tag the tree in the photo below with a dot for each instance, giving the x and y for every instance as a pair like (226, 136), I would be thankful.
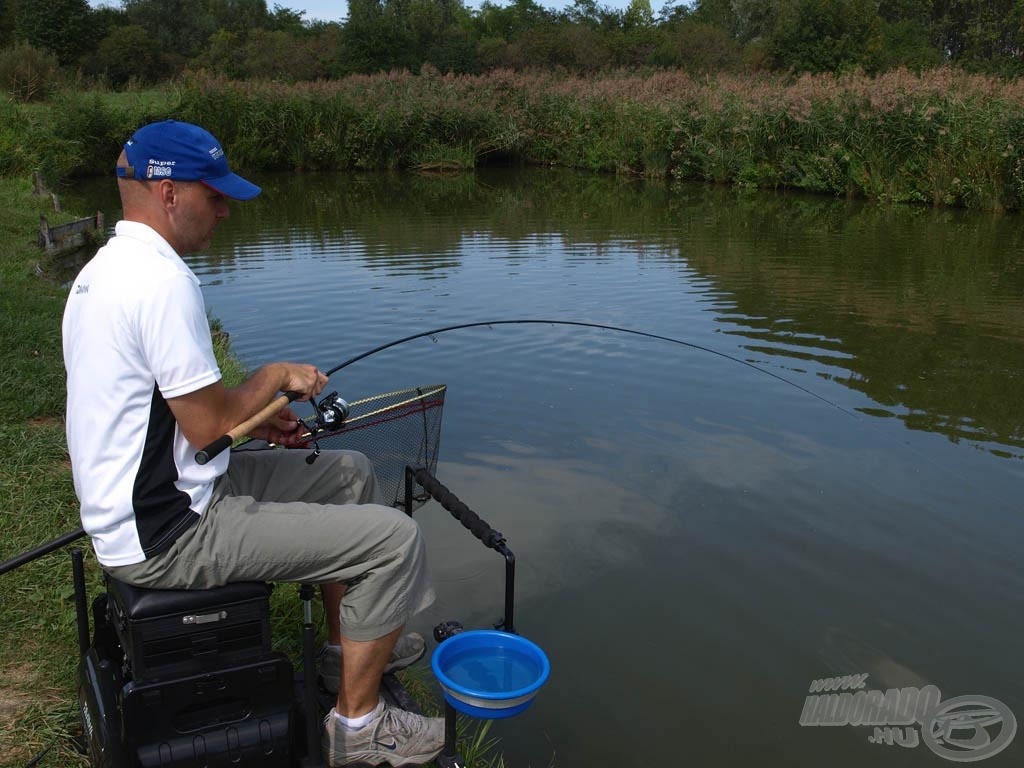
(638, 14)
(906, 43)
(696, 47)
(240, 16)
(126, 54)
(286, 20)
(592, 14)
(405, 34)
(509, 22)
(981, 33)
(224, 55)
(6, 22)
(827, 36)
(58, 26)
(745, 21)
(673, 13)
(366, 41)
(178, 28)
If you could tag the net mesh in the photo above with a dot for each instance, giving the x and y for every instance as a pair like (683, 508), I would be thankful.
(394, 430)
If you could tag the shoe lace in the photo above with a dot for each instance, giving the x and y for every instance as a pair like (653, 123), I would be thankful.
(393, 722)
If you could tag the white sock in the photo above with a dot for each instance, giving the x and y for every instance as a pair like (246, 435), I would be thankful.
(355, 723)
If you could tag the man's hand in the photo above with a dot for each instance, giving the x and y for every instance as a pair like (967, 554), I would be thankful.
(208, 413)
(281, 429)
(307, 380)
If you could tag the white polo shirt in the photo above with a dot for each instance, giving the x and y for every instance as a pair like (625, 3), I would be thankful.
(135, 334)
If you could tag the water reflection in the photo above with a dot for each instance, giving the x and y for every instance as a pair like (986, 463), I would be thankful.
(918, 310)
(924, 306)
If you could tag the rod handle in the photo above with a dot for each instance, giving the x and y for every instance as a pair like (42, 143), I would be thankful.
(224, 441)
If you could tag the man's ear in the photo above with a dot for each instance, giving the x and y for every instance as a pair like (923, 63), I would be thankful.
(168, 193)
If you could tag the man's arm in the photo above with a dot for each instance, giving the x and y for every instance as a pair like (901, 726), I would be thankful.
(214, 410)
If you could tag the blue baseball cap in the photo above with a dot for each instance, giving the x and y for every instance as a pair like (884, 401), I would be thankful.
(183, 152)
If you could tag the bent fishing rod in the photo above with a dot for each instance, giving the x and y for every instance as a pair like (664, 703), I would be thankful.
(226, 440)
(581, 324)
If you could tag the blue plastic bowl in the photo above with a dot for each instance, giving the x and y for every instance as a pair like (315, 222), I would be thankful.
(490, 674)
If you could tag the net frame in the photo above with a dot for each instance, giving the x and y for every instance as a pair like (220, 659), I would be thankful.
(414, 415)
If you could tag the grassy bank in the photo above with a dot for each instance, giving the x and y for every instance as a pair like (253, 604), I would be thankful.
(939, 138)
(37, 500)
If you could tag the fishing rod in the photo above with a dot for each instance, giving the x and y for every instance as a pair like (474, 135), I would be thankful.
(225, 441)
(581, 324)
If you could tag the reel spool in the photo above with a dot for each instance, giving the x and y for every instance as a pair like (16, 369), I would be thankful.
(332, 411)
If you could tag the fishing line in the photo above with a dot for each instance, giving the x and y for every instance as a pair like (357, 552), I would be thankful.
(598, 326)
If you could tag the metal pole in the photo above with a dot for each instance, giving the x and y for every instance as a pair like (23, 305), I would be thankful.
(313, 757)
(43, 549)
(449, 758)
(81, 610)
(510, 589)
(410, 479)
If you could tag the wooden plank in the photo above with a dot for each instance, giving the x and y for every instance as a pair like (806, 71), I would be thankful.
(74, 234)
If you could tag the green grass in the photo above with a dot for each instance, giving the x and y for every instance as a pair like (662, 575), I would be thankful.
(37, 500)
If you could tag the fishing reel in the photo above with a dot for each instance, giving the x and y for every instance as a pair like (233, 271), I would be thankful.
(330, 414)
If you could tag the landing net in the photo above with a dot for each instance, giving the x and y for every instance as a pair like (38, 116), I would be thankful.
(394, 430)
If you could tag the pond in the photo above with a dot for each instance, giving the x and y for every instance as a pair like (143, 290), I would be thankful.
(824, 480)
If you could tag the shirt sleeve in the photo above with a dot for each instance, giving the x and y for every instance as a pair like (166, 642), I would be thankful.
(175, 337)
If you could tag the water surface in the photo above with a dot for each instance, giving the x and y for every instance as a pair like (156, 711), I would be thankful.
(699, 537)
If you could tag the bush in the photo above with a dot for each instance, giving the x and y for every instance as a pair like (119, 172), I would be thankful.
(27, 73)
(91, 129)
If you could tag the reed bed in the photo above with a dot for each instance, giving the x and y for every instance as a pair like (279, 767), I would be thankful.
(942, 137)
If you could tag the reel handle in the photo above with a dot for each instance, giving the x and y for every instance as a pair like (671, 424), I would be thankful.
(224, 441)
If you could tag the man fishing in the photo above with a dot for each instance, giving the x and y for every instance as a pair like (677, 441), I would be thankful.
(144, 392)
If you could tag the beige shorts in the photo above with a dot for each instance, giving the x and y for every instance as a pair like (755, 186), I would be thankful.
(274, 517)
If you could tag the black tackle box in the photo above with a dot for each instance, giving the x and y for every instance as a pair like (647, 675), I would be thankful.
(167, 633)
(236, 716)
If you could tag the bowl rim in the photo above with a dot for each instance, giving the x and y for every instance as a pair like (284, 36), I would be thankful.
(448, 646)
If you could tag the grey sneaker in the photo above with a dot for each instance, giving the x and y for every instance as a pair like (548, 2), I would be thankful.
(393, 736)
(408, 650)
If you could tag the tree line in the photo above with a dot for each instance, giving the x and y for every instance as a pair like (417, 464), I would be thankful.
(150, 41)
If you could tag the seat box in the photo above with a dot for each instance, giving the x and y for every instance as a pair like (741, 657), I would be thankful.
(170, 633)
(239, 715)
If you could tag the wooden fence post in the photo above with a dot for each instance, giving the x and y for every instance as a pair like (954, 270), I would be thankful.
(44, 234)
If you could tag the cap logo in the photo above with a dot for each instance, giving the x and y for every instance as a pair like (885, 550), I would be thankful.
(159, 169)
(216, 153)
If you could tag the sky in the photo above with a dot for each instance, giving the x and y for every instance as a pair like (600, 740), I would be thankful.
(316, 10)
(335, 10)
